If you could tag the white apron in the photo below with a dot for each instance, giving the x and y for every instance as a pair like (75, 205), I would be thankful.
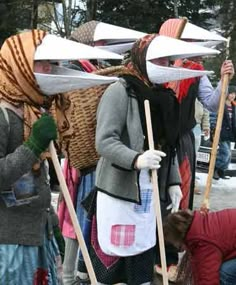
(126, 228)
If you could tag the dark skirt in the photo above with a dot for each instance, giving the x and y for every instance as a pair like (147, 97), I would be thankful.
(132, 270)
(186, 158)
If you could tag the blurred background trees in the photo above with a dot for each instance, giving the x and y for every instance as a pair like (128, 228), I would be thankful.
(62, 16)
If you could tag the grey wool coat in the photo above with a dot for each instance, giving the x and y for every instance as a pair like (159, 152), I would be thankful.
(23, 224)
(119, 141)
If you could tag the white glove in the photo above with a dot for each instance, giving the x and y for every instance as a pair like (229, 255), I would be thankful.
(150, 159)
(175, 196)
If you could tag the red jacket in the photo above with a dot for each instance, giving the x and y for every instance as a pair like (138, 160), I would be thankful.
(211, 240)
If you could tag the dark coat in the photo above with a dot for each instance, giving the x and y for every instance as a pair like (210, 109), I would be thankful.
(228, 129)
(211, 240)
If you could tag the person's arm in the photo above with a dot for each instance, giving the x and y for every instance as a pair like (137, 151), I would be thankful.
(207, 95)
(15, 164)
(206, 261)
(22, 159)
(205, 122)
(111, 123)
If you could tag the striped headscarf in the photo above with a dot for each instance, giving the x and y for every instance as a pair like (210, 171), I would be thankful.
(17, 82)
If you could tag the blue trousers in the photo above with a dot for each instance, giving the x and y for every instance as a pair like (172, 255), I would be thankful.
(223, 155)
(86, 185)
(228, 272)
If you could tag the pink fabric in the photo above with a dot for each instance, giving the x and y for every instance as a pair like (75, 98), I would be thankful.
(122, 235)
(87, 65)
(106, 259)
(72, 180)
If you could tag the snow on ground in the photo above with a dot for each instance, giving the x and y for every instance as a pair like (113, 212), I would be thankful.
(223, 192)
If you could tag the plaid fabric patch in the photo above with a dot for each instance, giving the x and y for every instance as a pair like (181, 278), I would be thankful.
(122, 235)
(146, 197)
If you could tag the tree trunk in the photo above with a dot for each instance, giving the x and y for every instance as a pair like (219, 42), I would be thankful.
(34, 17)
(91, 10)
(176, 8)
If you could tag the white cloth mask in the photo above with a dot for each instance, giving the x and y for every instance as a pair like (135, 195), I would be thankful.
(64, 79)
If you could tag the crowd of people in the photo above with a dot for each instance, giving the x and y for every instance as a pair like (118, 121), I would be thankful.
(113, 199)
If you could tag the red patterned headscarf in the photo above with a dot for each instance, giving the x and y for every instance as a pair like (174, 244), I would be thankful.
(138, 57)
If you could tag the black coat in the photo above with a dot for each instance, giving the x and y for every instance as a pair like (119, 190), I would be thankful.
(228, 129)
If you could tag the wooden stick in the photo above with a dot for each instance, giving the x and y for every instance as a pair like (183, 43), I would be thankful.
(156, 197)
(205, 204)
(72, 213)
(181, 28)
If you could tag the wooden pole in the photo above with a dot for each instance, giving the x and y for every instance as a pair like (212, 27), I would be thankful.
(156, 197)
(205, 203)
(180, 30)
(72, 213)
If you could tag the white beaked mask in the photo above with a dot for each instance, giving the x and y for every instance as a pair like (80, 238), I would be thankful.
(196, 33)
(56, 48)
(118, 39)
(162, 46)
(201, 36)
(158, 74)
(61, 79)
(193, 33)
(106, 37)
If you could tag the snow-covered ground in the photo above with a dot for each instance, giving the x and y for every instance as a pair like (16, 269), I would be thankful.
(223, 192)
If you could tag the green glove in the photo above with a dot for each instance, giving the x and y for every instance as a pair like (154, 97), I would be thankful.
(43, 131)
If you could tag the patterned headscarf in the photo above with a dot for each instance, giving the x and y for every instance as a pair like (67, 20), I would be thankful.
(85, 33)
(137, 62)
(17, 82)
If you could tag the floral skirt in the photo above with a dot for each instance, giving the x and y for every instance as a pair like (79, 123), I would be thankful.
(30, 265)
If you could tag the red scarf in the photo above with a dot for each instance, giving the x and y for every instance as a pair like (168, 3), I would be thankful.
(181, 87)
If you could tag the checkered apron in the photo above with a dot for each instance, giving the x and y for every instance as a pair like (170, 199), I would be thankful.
(126, 228)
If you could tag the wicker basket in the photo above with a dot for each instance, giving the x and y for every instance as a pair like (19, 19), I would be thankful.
(81, 150)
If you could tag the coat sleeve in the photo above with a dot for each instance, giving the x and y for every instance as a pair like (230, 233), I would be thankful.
(15, 164)
(207, 95)
(205, 120)
(111, 123)
(206, 262)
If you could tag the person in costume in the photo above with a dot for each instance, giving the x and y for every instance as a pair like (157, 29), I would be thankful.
(124, 207)
(82, 181)
(187, 91)
(28, 249)
(209, 241)
(29, 252)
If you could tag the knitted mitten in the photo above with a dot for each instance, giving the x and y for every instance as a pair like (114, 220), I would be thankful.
(43, 131)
